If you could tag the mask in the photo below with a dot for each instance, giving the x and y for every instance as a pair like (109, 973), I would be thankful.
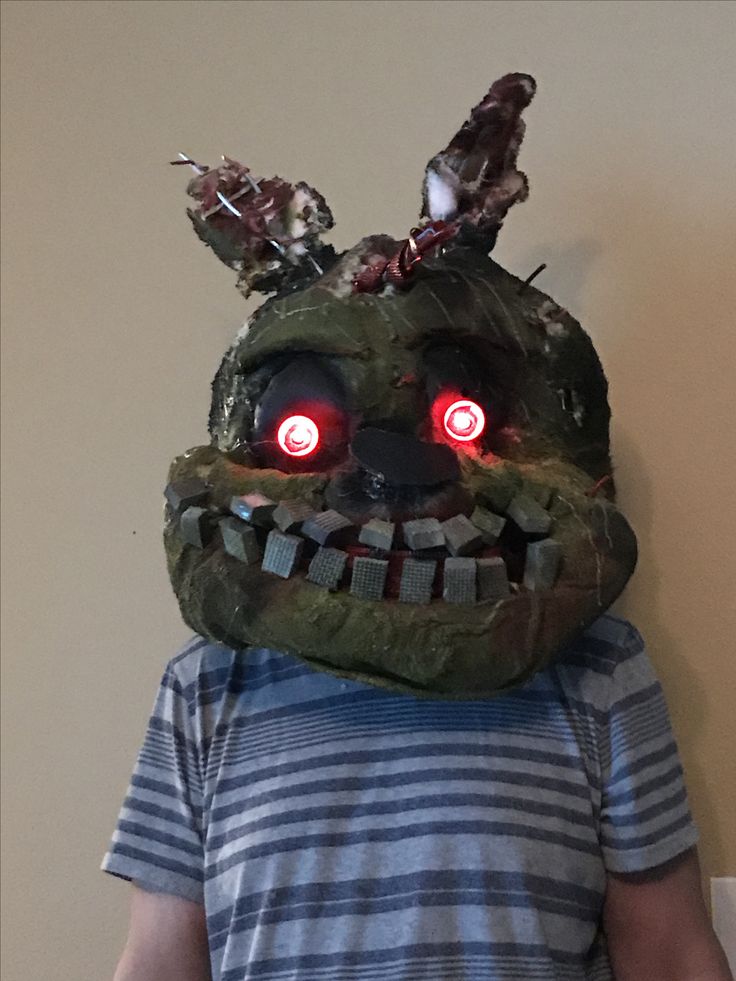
(408, 481)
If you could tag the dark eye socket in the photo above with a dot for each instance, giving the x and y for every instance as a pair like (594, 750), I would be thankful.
(470, 392)
(301, 421)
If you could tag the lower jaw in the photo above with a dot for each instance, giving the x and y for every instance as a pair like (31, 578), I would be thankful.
(438, 650)
(433, 651)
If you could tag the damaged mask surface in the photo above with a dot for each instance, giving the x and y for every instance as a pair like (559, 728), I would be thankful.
(408, 481)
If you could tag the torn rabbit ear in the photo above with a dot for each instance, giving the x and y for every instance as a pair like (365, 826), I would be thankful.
(266, 229)
(474, 180)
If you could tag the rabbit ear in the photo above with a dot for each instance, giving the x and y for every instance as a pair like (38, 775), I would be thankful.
(474, 180)
(267, 230)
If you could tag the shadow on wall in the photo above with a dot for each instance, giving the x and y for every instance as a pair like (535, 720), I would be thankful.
(659, 284)
(642, 599)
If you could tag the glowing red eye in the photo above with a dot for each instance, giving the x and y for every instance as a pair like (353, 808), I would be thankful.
(464, 420)
(298, 435)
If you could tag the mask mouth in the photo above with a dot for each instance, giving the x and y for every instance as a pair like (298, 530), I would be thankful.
(361, 495)
(259, 558)
(412, 545)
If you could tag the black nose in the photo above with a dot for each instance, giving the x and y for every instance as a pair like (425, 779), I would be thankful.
(404, 460)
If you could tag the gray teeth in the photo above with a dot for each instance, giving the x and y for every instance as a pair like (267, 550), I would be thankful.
(493, 580)
(377, 534)
(255, 508)
(183, 494)
(328, 528)
(416, 581)
(541, 493)
(459, 583)
(282, 554)
(369, 578)
(327, 567)
(466, 580)
(423, 533)
(529, 515)
(542, 564)
(462, 537)
(195, 527)
(289, 516)
(489, 524)
(240, 540)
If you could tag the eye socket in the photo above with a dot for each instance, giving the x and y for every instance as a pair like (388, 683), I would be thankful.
(298, 436)
(464, 420)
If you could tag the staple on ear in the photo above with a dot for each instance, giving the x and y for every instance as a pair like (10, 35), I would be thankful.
(268, 230)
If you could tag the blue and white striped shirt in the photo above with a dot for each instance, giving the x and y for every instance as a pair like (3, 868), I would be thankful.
(338, 832)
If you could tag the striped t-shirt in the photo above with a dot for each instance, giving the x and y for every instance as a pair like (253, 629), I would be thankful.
(338, 832)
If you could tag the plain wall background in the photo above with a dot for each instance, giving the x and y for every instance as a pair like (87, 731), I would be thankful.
(115, 319)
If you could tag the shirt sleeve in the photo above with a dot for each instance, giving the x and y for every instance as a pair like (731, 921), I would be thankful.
(158, 840)
(645, 816)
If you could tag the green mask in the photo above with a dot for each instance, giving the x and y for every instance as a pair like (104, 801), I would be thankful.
(408, 481)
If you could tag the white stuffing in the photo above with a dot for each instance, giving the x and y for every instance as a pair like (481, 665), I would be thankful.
(441, 195)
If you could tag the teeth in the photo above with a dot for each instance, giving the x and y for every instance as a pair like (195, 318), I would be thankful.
(460, 581)
(289, 516)
(282, 554)
(466, 580)
(369, 578)
(493, 580)
(183, 494)
(542, 564)
(417, 578)
(489, 524)
(196, 527)
(255, 508)
(529, 515)
(541, 493)
(327, 567)
(377, 534)
(461, 536)
(327, 528)
(240, 540)
(423, 533)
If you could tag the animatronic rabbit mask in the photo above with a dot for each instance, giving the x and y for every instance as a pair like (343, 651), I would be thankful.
(408, 481)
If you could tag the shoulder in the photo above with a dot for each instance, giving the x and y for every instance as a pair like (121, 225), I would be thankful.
(606, 663)
(199, 656)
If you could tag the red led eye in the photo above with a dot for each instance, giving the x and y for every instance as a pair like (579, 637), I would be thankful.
(464, 420)
(298, 435)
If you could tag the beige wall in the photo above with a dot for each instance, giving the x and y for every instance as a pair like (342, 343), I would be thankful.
(115, 319)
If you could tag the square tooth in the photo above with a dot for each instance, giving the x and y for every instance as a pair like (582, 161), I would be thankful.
(327, 528)
(377, 534)
(529, 515)
(239, 539)
(542, 493)
(490, 525)
(462, 537)
(282, 554)
(183, 494)
(493, 580)
(327, 567)
(369, 578)
(542, 564)
(255, 508)
(417, 578)
(423, 533)
(459, 581)
(195, 527)
(290, 515)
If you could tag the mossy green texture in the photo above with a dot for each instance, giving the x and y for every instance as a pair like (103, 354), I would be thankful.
(555, 439)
